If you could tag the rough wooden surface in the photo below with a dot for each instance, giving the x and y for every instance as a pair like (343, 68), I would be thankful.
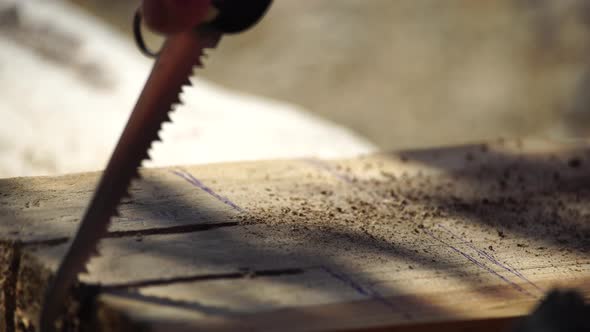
(470, 237)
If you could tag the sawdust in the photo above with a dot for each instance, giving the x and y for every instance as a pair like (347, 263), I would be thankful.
(513, 207)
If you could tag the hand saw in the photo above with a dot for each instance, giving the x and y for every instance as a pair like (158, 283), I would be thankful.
(174, 65)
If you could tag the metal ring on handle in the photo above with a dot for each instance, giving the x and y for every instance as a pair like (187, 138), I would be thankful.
(138, 36)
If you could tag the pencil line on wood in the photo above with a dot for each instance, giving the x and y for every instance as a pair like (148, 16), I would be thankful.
(324, 166)
(480, 264)
(199, 184)
(492, 259)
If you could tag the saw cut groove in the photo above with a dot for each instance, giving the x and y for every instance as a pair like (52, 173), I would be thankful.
(178, 229)
(49, 243)
(181, 229)
(207, 277)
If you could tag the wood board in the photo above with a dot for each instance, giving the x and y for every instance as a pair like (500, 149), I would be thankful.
(468, 237)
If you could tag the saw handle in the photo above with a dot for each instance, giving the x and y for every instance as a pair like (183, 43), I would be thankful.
(235, 16)
(226, 16)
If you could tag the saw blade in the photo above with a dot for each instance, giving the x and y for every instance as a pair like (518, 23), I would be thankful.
(172, 70)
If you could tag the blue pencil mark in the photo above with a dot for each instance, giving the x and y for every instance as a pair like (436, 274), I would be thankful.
(194, 181)
(368, 292)
(492, 259)
(351, 283)
(320, 164)
(480, 264)
(345, 178)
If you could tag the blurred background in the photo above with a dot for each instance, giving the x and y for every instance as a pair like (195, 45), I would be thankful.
(360, 74)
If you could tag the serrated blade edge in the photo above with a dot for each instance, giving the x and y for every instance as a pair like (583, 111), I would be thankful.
(179, 55)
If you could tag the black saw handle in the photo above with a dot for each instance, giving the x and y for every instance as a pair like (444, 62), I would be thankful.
(238, 15)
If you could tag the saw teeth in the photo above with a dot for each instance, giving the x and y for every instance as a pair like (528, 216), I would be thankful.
(145, 155)
(176, 106)
(128, 172)
(176, 101)
(187, 82)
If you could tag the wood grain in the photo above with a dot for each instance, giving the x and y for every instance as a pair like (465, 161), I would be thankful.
(466, 237)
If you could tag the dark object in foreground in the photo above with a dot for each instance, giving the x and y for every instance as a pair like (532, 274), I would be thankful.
(560, 311)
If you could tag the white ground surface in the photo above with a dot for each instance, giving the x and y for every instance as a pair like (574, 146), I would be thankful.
(67, 86)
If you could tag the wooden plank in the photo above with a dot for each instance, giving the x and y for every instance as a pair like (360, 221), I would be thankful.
(152, 313)
(451, 235)
(41, 209)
